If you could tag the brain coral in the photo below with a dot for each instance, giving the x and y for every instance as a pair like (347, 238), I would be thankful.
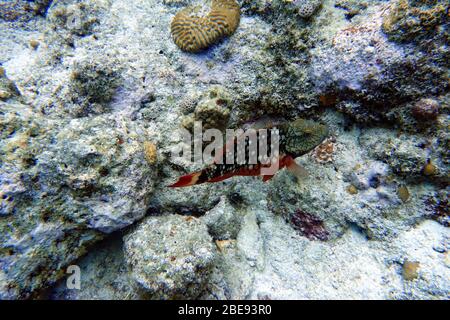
(194, 30)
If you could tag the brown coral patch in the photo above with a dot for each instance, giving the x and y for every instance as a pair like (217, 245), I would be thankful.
(194, 32)
(150, 152)
(325, 151)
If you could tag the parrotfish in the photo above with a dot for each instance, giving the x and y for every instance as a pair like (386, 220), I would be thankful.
(294, 140)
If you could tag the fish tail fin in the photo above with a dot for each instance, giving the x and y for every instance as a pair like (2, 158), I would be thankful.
(187, 180)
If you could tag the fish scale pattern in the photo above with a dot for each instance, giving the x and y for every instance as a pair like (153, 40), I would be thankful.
(194, 32)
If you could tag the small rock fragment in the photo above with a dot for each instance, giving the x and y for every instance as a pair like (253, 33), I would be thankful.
(352, 189)
(4, 94)
(425, 109)
(222, 245)
(403, 193)
(410, 270)
(34, 44)
(429, 169)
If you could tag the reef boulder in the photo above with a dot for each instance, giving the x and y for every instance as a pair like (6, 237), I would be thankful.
(170, 257)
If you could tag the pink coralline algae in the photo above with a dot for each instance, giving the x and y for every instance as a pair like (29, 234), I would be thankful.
(309, 226)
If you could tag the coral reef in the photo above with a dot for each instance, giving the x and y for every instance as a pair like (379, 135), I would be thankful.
(170, 257)
(193, 30)
(60, 192)
(92, 94)
(372, 76)
(413, 157)
(78, 18)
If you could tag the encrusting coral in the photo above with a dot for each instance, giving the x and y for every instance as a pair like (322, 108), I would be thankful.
(306, 8)
(325, 151)
(213, 110)
(412, 20)
(193, 31)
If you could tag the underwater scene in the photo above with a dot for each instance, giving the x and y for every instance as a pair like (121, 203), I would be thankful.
(224, 149)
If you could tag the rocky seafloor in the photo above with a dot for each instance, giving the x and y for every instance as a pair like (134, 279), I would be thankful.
(92, 96)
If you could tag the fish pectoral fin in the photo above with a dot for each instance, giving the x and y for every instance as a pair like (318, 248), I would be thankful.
(267, 178)
(297, 170)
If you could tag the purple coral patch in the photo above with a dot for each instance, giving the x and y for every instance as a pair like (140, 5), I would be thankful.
(309, 226)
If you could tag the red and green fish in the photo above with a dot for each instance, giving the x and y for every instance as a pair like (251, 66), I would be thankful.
(294, 140)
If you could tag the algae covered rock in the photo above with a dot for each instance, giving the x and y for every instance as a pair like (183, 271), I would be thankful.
(321, 206)
(212, 109)
(77, 18)
(92, 86)
(353, 7)
(89, 118)
(104, 275)
(414, 20)
(22, 10)
(63, 186)
(223, 221)
(170, 257)
(7, 87)
(413, 157)
(371, 74)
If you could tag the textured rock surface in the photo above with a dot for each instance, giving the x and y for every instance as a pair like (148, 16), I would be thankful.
(223, 221)
(86, 86)
(170, 257)
(98, 281)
